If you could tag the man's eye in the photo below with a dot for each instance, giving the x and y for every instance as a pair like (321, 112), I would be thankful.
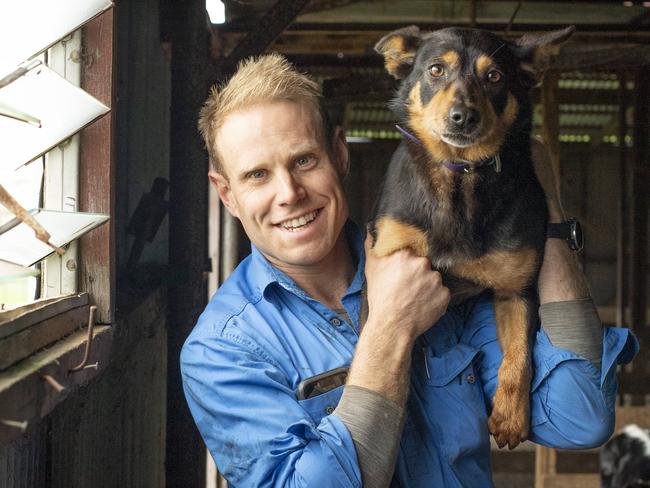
(304, 161)
(257, 174)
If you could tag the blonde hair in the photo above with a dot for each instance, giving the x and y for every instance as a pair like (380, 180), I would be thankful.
(258, 79)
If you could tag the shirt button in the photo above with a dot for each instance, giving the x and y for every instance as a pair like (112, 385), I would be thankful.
(335, 322)
(329, 409)
(470, 379)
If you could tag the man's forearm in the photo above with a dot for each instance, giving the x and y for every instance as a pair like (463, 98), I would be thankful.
(373, 403)
(560, 278)
(382, 362)
(375, 424)
(566, 310)
(405, 297)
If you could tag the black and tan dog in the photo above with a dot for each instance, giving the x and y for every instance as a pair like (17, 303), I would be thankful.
(461, 188)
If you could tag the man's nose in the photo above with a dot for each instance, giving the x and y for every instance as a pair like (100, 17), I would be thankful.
(290, 190)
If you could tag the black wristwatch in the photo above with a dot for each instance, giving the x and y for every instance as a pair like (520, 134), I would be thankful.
(570, 230)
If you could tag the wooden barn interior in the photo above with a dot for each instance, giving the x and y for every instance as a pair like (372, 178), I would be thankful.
(118, 417)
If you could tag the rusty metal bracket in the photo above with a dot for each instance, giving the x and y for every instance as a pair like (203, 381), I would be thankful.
(89, 342)
(49, 379)
(22, 426)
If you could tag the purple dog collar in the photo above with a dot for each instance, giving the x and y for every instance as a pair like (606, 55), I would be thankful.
(456, 167)
(464, 167)
(408, 135)
(468, 168)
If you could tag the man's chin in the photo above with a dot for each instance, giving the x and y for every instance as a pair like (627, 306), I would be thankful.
(295, 256)
(303, 258)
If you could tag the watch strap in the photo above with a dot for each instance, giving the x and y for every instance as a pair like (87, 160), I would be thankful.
(558, 230)
(569, 230)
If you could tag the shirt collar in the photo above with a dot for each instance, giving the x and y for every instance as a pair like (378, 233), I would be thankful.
(263, 274)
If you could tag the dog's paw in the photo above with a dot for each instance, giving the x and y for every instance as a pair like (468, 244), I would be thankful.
(509, 422)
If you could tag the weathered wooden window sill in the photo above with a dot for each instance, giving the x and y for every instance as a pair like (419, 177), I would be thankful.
(28, 329)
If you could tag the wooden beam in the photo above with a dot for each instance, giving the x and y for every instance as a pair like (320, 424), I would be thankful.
(551, 123)
(353, 87)
(570, 480)
(581, 56)
(602, 32)
(188, 255)
(22, 344)
(586, 50)
(267, 29)
(622, 230)
(545, 464)
(97, 171)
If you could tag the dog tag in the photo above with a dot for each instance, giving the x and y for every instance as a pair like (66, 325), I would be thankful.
(497, 163)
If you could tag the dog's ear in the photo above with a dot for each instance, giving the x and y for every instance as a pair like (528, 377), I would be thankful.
(535, 52)
(398, 49)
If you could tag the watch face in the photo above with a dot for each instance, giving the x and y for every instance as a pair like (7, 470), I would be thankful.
(576, 239)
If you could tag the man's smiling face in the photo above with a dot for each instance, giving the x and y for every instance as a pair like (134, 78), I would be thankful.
(282, 183)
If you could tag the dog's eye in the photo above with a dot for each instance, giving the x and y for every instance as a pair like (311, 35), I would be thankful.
(494, 76)
(437, 70)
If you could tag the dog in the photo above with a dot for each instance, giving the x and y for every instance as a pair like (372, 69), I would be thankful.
(625, 459)
(461, 187)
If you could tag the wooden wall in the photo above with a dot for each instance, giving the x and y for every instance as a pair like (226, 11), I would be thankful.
(112, 432)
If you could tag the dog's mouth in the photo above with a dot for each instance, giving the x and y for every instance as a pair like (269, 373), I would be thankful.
(459, 140)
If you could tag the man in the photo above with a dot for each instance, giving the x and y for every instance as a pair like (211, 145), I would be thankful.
(415, 404)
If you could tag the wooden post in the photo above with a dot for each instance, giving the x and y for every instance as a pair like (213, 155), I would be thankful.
(639, 211)
(97, 173)
(622, 230)
(188, 253)
(545, 464)
(551, 123)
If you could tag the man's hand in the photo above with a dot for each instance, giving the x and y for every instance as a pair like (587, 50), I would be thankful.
(405, 296)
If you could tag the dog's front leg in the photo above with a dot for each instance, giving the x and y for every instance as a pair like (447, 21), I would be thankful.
(510, 418)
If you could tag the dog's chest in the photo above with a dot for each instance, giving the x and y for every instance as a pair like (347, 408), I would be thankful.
(456, 228)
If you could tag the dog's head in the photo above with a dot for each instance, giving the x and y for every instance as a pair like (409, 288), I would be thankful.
(625, 459)
(464, 90)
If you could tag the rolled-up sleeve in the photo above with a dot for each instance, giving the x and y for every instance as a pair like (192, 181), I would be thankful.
(257, 431)
(572, 401)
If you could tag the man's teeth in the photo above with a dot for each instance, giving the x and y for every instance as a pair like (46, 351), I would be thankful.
(299, 222)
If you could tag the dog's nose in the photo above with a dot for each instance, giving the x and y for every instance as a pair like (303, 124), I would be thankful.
(464, 118)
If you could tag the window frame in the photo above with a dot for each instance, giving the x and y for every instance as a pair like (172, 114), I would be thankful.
(61, 177)
(26, 393)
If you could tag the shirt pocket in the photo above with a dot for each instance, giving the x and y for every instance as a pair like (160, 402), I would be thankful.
(455, 394)
(444, 369)
(324, 404)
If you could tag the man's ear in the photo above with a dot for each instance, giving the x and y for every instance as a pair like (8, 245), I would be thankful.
(222, 185)
(340, 152)
(535, 52)
(398, 49)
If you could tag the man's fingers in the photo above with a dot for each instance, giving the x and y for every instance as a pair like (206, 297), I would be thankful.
(368, 242)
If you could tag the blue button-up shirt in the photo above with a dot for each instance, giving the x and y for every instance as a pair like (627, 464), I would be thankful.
(261, 335)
